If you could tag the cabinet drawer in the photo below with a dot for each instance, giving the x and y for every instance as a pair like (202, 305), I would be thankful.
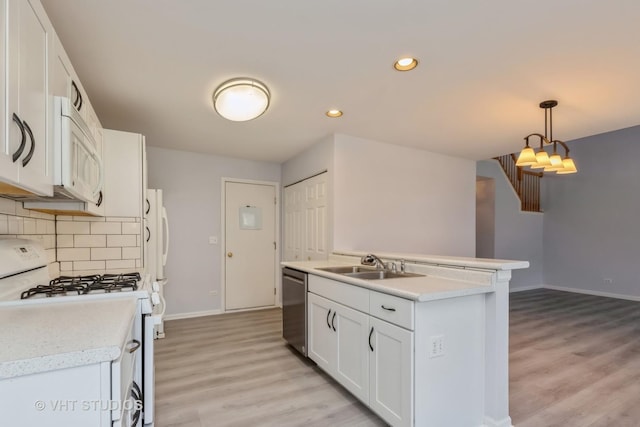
(344, 293)
(398, 311)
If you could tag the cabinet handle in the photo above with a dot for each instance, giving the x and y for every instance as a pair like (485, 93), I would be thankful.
(333, 321)
(76, 94)
(370, 333)
(148, 206)
(136, 394)
(77, 102)
(148, 234)
(23, 141)
(27, 159)
(135, 346)
(328, 314)
(387, 308)
(99, 199)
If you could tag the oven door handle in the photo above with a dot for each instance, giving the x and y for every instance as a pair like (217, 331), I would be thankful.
(134, 347)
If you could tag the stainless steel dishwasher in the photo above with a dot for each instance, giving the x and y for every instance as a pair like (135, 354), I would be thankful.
(294, 308)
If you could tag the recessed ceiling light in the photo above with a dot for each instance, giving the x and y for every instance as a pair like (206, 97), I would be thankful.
(334, 113)
(405, 64)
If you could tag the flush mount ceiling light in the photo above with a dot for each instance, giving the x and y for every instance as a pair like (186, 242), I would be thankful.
(334, 113)
(241, 99)
(405, 64)
(541, 159)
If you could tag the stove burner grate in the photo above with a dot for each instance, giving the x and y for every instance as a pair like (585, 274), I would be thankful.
(81, 285)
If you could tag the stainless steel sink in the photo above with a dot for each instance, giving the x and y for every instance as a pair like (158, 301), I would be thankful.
(381, 274)
(347, 269)
(367, 273)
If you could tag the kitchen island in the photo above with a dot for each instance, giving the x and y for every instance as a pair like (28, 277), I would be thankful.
(425, 350)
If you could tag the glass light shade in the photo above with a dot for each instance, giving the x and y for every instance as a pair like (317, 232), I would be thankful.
(542, 160)
(241, 99)
(527, 157)
(568, 166)
(556, 163)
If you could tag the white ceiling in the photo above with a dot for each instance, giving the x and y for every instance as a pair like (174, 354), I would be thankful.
(150, 66)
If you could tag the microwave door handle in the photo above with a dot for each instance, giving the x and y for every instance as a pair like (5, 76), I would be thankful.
(165, 223)
(97, 192)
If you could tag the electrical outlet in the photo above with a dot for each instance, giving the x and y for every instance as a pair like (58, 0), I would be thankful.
(607, 281)
(436, 346)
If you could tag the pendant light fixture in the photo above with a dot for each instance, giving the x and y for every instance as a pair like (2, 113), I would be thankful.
(241, 99)
(542, 160)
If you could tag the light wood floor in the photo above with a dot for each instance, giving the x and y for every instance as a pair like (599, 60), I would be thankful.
(235, 370)
(574, 362)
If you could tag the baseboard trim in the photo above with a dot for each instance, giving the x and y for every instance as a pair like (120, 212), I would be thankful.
(526, 288)
(192, 314)
(490, 422)
(594, 293)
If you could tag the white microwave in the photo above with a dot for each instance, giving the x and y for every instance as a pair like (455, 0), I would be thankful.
(78, 169)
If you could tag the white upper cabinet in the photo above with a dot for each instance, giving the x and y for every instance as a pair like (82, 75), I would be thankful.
(26, 142)
(124, 173)
(65, 82)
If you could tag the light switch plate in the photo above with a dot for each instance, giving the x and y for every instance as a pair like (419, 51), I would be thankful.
(213, 240)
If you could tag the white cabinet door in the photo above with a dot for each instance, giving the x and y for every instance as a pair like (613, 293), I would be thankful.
(26, 120)
(352, 360)
(123, 163)
(8, 169)
(391, 370)
(321, 339)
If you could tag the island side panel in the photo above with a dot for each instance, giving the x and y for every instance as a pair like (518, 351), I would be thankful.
(449, 379)
(497, 353)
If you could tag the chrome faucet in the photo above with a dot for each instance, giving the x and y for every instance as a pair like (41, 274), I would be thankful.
(371, 259)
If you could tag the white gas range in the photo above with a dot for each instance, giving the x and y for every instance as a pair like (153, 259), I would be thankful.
(27, 290)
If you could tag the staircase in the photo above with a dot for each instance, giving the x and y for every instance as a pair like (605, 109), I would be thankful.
(526, 183)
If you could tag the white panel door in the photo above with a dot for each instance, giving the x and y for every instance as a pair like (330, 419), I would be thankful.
(250, 245)
(315, 206)
(306, 220)
(293, 225)
(321, 339)
(352, 363)
(391, 370)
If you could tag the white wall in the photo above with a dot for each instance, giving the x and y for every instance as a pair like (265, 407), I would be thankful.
(314, 160)
(192, 196)
(591, 230)
(518, 235)
(398, 199)
(485, 217)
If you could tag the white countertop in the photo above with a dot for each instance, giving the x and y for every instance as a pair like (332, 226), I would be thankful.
(443, 260)
(44, 337)
(424, 288)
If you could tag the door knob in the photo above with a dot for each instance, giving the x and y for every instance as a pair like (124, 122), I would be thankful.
(230, 254)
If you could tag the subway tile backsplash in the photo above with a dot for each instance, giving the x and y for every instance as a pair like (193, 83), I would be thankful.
(25, 224)
(81, 243)
(96, 243)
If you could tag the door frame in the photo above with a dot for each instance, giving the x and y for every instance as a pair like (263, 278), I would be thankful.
(223, 241)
